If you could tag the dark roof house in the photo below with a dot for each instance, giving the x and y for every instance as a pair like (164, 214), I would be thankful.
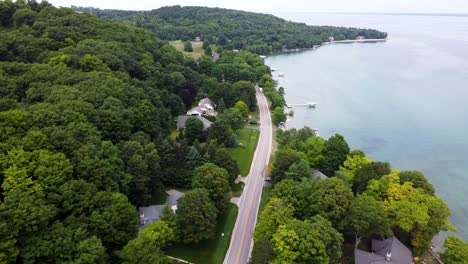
(389, 251)
(152, 213)
(182, 120)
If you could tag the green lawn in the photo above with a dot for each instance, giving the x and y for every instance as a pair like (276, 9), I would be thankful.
(244, 155)
(211, 251)
(197, 48)
(265, 197)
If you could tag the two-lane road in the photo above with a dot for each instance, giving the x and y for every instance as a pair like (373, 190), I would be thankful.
(241, 240)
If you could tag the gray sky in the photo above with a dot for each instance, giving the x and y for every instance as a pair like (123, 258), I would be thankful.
(269, 6)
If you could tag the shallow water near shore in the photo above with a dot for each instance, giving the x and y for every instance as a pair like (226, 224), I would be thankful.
(404, 101)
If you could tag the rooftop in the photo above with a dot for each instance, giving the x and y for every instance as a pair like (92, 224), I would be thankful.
(182, 120)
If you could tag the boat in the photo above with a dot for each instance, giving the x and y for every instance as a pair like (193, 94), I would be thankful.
(312, 104)
(281, 75)
(273, 69)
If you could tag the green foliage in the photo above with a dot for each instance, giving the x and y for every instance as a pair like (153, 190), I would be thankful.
(354, 162)
(335, 153)
(233, 118)
(242, 108)
(314, 241)
(314, 147)
(278, 115)
(188, 46)
(368, 172)
(146, 248)
(276, 213)
(193, 226)
(245, 30)
(283, 160)
(456, 251)
(219, 131)
(411, 210)
(299, 170)
(295, 194)
(331, 198)
(367, 217)
(418, 179)
(168, 216)
(223, 159)
(193, 130)
(216, 181)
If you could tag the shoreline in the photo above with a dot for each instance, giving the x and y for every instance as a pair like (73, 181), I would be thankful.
(344, 41)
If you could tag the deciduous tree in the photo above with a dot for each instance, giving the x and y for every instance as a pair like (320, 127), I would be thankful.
(195, 225)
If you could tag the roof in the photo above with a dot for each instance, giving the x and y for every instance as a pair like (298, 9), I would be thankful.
(207, 101)
(151, 213)
(319, 174)
(182, 120)
(398, 252)
(197, 110)
(361, 257)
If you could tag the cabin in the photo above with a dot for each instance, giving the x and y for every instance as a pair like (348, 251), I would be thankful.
(197, 39)
(331, 39)
(389, 251)
(360, 38)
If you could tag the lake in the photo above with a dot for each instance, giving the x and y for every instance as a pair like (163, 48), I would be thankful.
(404, 101)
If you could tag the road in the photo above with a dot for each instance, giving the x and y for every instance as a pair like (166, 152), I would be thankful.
(241, 240)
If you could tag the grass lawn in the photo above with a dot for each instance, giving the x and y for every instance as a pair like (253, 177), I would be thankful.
(265, 197)
(197, 48)
(211, 251)
(244, 155)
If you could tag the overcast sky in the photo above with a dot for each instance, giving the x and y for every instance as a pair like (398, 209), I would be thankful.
(274, 6)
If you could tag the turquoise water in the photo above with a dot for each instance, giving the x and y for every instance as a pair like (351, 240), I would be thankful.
(404, 101)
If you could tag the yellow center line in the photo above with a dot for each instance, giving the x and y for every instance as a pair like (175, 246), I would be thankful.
(255, 175)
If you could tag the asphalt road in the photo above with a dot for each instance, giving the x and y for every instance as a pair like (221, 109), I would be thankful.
(241, 240)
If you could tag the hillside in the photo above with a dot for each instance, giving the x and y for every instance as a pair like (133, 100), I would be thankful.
(258, 33)
(86, 110)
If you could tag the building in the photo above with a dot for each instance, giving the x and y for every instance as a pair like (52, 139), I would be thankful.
(215, 56)
(153, 213)
(360, 38)
(182, 120)
(205, 107)
(197, 39)
(389, 251)
(331, 39)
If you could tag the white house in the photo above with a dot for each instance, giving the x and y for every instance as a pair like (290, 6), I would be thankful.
(205, 107)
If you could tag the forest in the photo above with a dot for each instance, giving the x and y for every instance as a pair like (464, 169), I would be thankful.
(231, 29)
(312, 219)
(87, 107)
(87, 112)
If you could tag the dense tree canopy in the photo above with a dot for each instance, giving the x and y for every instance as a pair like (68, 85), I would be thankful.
(86, 110)
(195, 225)
(216, 181)
(257, 33)
(456, 251)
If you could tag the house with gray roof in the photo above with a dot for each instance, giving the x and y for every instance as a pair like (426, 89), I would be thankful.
(182, 120)
(152, 213)
(389, 251)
